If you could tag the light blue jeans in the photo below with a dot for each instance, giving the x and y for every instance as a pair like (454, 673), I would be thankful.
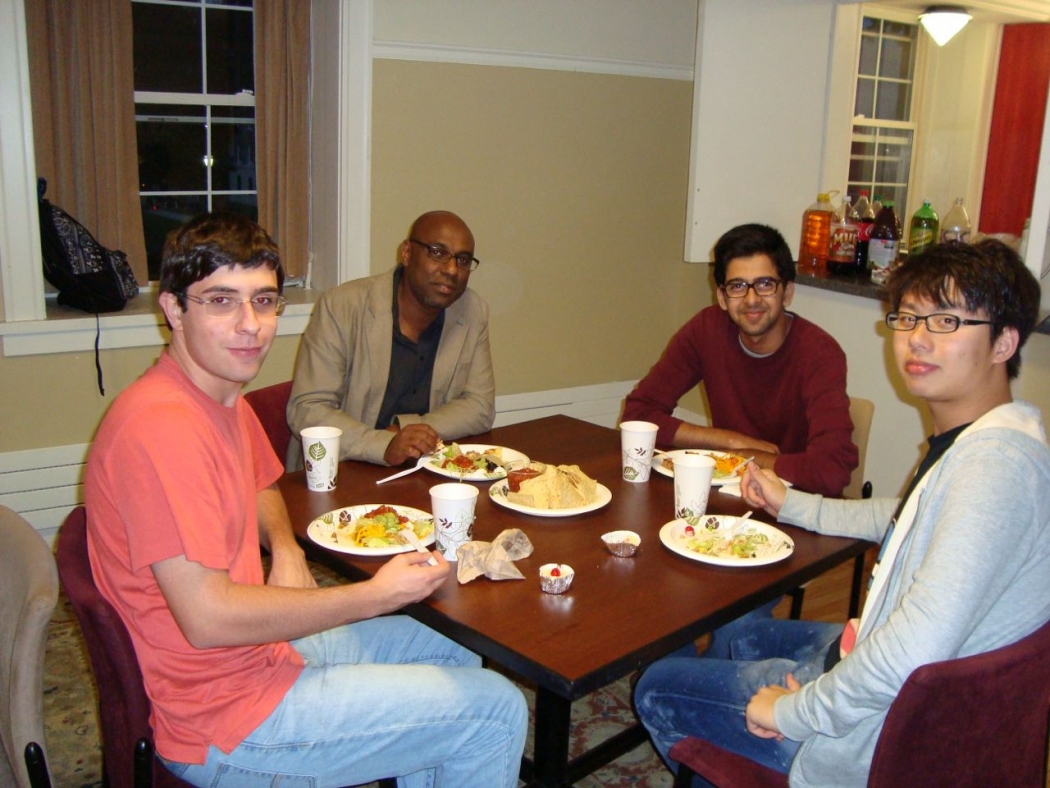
(387, 697)
(686, 695)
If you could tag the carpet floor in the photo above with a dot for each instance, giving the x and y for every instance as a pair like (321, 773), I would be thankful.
(71, 719)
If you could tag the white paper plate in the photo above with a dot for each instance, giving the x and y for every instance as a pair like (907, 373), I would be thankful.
(509, 455)
(716, 481)
(498, 494)
(323, 530)
(780, 546)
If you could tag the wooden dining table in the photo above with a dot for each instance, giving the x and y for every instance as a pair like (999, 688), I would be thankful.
(619, 614)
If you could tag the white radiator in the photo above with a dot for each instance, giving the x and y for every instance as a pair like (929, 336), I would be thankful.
(43, 485)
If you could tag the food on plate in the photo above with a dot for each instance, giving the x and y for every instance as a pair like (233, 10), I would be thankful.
(453, 458)
(748, 544)
(378, 528)
(519, 471)
(726, 465)
(557, 487)
(556, 578)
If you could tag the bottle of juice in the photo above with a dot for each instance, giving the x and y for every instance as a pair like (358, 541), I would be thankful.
(867, 221)
(956, 225)
(816, 228)
(923, 232)
(842, 243)
(884, 245)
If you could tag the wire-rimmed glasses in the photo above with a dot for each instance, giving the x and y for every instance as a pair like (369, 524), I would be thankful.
(264, 304)
(439, 254)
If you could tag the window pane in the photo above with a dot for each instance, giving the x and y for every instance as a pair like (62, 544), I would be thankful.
(240, 3)
(865, 102)
(246, 204)
(230, 64)
(233, 149)
(869, 56)
(896, 61)
(167, 48)
(160, 215)
(893, 101)
(172, 151)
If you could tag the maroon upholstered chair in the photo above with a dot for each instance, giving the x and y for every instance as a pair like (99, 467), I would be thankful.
(124, 707)
(974, 721)
(270, 404)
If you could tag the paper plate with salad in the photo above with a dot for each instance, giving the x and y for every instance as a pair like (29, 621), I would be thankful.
(473, 462)
(712, 539)
(371, 529)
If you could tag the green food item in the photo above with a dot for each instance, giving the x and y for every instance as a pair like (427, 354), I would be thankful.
(744, 545)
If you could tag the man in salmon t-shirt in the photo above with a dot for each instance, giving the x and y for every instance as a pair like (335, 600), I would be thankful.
(775, 383)
(268, 678)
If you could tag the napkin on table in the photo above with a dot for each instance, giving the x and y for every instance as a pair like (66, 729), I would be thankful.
(493, 559)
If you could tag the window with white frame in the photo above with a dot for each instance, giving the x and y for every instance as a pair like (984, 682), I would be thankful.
(194, 112)
(883, 136)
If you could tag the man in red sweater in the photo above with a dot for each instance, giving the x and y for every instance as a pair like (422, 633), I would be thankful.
(775, 383)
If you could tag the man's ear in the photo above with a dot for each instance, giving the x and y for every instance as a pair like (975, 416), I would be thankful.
(1005, 345)
(404, 251)
(789, 293)
(721, 296)
(169, 302)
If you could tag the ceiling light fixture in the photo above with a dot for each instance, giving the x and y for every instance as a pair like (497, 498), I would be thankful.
(942, 22)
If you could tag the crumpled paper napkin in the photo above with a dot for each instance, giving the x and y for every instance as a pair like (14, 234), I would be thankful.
(493, 559)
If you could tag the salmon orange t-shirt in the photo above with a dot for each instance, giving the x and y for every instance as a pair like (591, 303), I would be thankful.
(173, 472)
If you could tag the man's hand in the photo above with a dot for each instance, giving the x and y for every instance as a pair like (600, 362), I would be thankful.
(411, 442)
(762, 489)
(693, 436)
(759, 712)
(408, 578)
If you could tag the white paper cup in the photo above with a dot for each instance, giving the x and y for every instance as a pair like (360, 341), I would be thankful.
(692, 484)
(453, 507)
(321, 456)
(637, 440)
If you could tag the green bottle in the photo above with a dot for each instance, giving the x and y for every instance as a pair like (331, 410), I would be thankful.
(923, 232)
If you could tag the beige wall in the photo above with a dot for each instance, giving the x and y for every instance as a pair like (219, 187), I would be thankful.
(574, 185)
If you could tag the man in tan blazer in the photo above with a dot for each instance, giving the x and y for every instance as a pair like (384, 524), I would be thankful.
(400, 360)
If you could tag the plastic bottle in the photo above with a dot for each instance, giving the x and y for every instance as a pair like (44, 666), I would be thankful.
(956, 225)
(842, 243)
(923, 232)
(867, 221)
(884, 244)
(816, 228)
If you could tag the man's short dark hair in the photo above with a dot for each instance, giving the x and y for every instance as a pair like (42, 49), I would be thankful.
(751, 239)
(210, 241)
(986, 277)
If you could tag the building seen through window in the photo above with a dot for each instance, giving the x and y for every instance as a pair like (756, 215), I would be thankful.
(194, 112)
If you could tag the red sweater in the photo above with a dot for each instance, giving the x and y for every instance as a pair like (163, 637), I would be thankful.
(795, 398)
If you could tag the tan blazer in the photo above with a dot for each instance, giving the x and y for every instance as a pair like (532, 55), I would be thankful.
(344, 361)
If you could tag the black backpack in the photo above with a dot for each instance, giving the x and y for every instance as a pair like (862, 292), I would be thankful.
(86, 274)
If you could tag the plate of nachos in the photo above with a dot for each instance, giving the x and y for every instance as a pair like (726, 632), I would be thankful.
(371, 529)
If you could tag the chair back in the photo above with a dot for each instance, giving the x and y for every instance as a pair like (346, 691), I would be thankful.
(861, 412)
(978, 720)
(28, 595)
(124, 707)
(270, 405)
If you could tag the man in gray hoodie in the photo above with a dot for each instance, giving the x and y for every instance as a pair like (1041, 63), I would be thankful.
(965, 560)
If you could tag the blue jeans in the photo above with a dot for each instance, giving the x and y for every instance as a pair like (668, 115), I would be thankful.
(685, 695)
(387, 697)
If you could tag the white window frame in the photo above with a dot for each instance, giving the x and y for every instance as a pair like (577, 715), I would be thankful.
(29, 327)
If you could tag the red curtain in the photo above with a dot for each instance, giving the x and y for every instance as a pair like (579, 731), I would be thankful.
(1017, 128)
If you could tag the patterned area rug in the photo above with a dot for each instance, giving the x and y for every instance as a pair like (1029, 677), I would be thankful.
(75, 755)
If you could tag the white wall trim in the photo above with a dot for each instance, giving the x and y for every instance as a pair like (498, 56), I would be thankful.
(438, 53)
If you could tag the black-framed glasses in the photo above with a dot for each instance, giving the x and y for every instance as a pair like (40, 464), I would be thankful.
(439, 254)
(763, 286)
(264, 304)
(938, 323)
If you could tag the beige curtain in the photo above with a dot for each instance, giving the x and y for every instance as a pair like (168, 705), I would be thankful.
(282, 114)
(82, 83)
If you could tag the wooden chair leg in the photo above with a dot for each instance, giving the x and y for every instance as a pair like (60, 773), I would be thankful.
(855, 586)
(796, 601)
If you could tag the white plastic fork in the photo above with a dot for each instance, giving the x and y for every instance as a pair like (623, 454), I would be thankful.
(738, 525)
(419, 464)
(412, 539)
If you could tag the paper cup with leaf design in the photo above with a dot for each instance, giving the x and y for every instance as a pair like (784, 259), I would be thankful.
(637, 441)
(692, 484)
(453, 507)
(321, 456)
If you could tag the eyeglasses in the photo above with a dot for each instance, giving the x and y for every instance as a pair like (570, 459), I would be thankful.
(265, 304)
(764, 286)
(940, 323)
(439, 254)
